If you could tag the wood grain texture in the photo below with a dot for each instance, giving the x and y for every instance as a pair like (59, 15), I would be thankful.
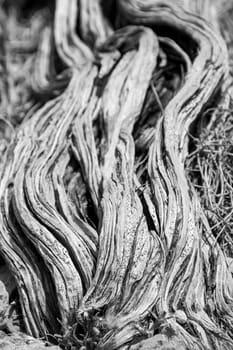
(100, 226)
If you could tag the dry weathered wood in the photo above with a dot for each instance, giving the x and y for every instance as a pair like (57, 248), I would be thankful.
(105, 235)
(22, 341)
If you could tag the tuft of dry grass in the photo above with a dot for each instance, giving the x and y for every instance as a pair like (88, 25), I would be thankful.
(210, 169)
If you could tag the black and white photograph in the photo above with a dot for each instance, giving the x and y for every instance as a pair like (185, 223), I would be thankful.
(116, 174)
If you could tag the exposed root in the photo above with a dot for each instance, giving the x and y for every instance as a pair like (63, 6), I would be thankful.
(116, 181)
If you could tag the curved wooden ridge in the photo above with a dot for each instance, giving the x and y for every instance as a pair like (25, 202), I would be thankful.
(99, 224)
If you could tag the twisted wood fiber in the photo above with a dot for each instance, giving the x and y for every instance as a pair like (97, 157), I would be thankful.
(139, 269)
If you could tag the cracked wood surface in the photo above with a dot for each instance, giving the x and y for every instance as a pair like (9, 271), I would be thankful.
(101, 229)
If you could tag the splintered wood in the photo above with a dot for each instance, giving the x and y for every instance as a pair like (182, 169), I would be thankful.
(100, 226)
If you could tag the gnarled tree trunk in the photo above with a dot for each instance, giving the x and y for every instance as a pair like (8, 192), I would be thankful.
(102, 224)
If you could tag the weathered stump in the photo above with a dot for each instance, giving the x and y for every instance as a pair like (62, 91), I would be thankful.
(101, 224)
